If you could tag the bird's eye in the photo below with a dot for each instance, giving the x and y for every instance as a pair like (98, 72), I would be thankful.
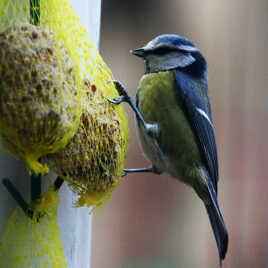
(161, 50)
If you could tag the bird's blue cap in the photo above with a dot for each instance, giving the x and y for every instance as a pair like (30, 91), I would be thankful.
(169, 41)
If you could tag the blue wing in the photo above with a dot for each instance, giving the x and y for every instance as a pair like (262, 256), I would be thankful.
(197, 110)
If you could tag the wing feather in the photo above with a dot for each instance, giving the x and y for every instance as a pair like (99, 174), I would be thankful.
(197, 110)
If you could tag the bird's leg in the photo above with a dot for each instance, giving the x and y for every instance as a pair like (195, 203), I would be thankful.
(151, 129)
(141, 170)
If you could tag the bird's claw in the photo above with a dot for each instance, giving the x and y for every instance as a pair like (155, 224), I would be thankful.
(123, 95)
(120, 88)
(117, 100)
(151, 129)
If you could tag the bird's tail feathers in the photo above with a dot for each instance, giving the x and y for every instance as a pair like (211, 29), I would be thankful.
(217, 222)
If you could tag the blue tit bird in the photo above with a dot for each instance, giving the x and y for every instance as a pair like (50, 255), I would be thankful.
(175, 123)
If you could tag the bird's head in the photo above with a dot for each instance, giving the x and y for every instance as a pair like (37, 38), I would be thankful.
(170, 51)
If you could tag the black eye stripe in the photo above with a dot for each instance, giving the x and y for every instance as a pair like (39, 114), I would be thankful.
(163, 50)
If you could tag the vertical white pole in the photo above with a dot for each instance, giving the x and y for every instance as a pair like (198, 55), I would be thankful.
(75, 223)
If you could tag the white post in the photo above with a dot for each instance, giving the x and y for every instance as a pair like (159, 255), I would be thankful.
(75, 223)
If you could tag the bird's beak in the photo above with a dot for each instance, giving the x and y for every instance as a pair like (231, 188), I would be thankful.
(140, 52)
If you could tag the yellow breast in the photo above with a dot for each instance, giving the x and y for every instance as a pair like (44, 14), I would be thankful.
(159, 102)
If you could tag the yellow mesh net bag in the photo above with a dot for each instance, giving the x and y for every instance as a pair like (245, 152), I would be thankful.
(40, 94)
(39, 116)
(93, 160)
(33, 243)
(66, 121)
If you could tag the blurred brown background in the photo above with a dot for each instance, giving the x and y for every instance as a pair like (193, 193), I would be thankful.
(153, 221)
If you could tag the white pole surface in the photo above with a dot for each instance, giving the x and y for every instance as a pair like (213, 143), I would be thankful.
(75, 223)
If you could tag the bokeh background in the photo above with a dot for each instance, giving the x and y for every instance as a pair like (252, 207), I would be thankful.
(153, 221)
